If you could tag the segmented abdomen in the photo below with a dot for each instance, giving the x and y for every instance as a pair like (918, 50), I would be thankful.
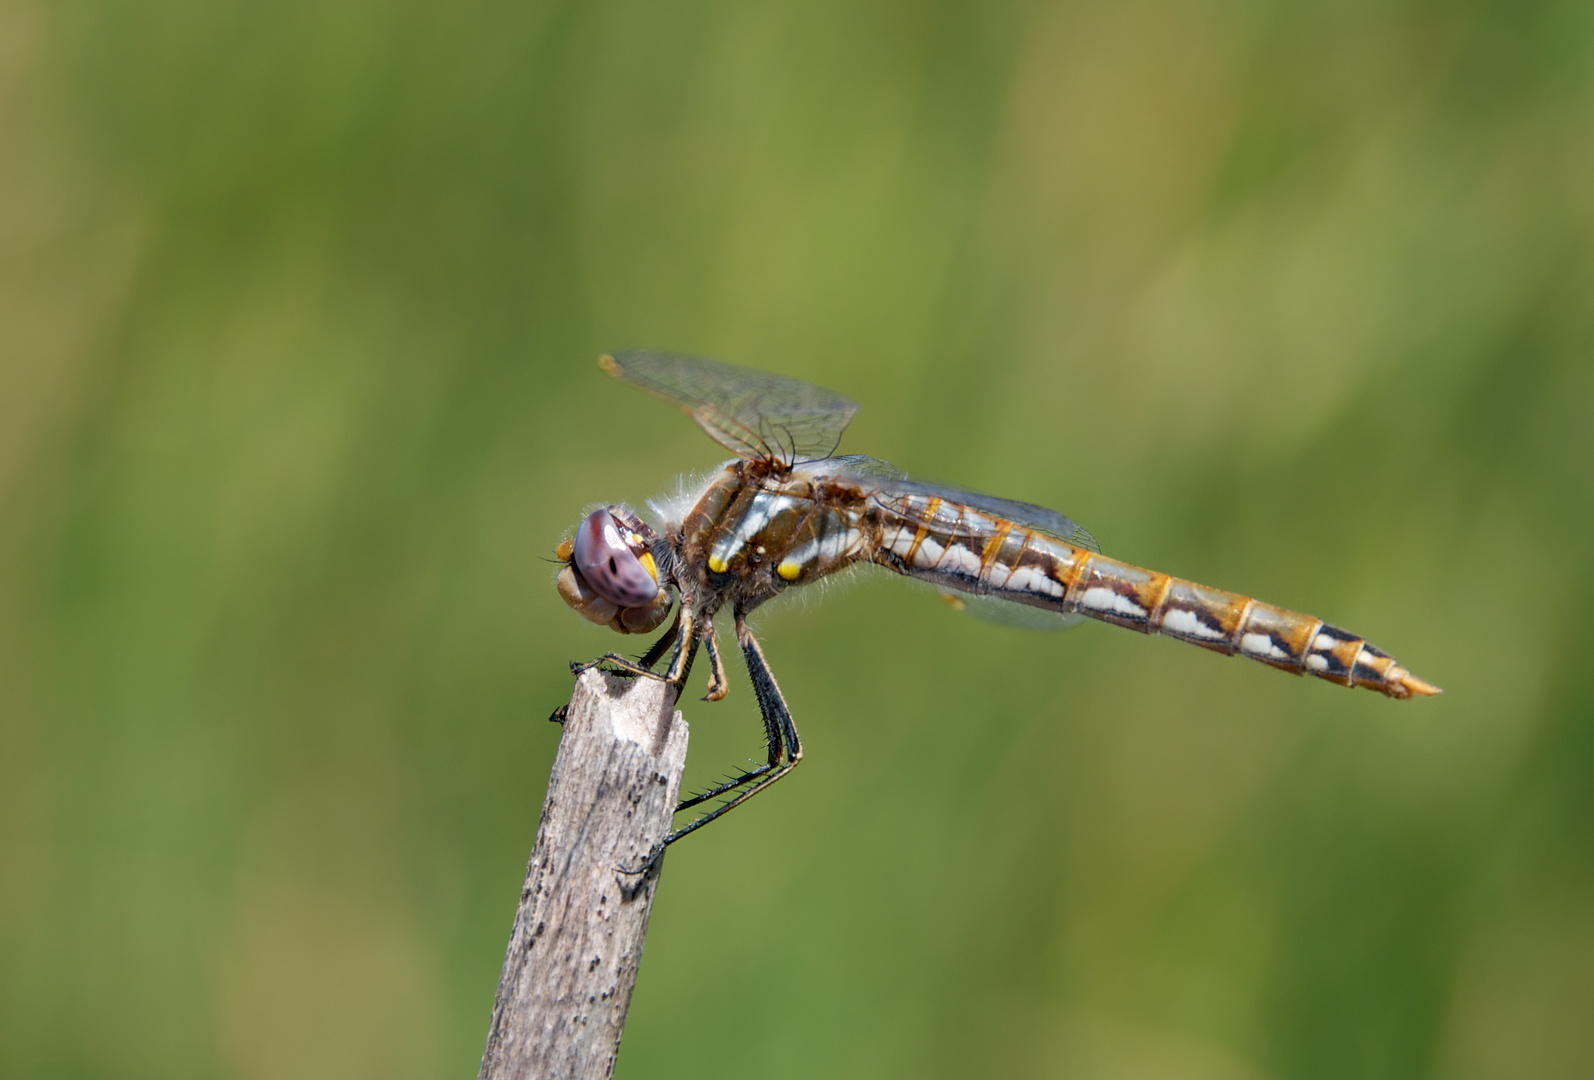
(963, 548)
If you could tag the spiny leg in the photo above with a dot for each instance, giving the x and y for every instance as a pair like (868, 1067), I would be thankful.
(770, 699)
(679, 634)
(661, 646)
(779, 731)
(774, 740)
(646, 660)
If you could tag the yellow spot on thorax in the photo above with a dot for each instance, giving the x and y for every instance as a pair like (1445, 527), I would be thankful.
(717, 564)
(789, 570)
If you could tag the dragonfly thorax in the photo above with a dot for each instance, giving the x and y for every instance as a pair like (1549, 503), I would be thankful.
(759, 527)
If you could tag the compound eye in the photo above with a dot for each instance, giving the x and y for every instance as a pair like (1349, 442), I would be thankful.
(609, 566)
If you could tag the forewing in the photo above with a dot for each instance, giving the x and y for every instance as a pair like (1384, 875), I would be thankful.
(753, 413)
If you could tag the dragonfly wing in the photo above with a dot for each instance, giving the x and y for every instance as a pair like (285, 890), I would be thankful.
(1039, 518)
(865, 469)
(992, 609)
(753, 413)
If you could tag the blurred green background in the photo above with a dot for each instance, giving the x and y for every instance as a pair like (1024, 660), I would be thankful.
(299, 304)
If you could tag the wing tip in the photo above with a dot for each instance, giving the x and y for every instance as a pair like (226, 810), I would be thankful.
(609, 365)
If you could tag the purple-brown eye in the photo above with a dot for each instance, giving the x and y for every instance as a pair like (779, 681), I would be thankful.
(608, 565)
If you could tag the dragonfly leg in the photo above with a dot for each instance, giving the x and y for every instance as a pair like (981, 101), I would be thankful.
(618, 665)
(785, 750)
(661, 646)
(642, 667)
(717, 683)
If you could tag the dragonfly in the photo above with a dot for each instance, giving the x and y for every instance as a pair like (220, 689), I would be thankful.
(787, 511)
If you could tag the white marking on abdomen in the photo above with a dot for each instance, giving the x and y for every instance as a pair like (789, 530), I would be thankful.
(928, 555)
(1317, 663)
(1181, 621)
(1104, 599)
(1025, 579)
(1262, 645)
(959, 558)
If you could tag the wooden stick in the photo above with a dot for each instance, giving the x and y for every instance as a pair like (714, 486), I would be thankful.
(573, 954)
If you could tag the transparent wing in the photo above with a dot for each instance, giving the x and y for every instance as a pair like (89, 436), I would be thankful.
(1006, 613)
(889, 479)
(1039, 518)
(865, 469)
(753, 413)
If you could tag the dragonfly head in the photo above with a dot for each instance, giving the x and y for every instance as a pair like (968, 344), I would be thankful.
(610, 576)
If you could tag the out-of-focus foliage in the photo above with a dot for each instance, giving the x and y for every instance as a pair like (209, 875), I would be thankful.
(299, 304)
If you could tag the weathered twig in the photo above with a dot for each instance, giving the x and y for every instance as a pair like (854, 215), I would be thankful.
(577, 941)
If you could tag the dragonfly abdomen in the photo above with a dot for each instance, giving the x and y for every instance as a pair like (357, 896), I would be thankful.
(1232, 623)
(963, 548)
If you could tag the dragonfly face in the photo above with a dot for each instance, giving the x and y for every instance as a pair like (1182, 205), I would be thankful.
(786, 512)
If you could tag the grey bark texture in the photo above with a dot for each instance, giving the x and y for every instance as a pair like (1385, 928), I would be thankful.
(577, 941)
